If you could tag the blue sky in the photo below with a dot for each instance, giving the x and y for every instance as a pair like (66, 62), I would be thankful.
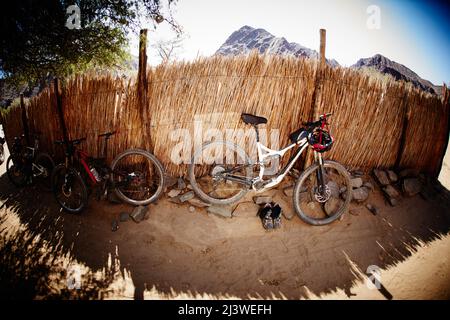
(412, 32)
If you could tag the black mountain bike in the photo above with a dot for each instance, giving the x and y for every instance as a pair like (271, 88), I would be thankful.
(136, 176)
(222, 173)
(27, 165)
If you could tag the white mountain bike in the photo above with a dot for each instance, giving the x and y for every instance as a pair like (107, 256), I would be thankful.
(222, 173)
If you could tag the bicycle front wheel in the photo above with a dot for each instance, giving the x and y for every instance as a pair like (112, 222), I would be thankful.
(15, 167)
(217, 172)
(137, 177)
(320, 207)
(42, 170)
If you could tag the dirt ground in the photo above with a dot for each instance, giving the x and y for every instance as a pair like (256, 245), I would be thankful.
(178, 253)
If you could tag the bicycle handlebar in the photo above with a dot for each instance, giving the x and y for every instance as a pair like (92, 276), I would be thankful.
(72, 142)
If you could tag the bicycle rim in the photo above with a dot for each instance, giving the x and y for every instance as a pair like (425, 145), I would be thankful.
(137, 177)
(69, 189)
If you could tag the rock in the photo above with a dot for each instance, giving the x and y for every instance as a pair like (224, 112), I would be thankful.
(332, 206)
(186, 196)
(181, 185)
(175, 200)
(408, 173)
(114, 226)
(411, 186)
(169, 181)
(287, 207)
(372, 209)
(381, 177)
(334, 189)
(357, 173)
(369, 185)
(124, 216)
(173, 193)
(245, 209)
(392, 176)
(289, 191)
(262, 199)
(198, 203)
(342, 189)
(112, 198)
(393, 201)
(139, 213)
(391, 192)
(191, 209)
(356, 183)
(189, 186)
(222, 211)
(359, 195)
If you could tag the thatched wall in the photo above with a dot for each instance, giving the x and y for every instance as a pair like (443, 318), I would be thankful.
(368, 121)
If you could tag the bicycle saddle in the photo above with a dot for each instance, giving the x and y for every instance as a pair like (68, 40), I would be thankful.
(251, 119)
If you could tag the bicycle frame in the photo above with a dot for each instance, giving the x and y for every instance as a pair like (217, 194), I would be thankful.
(265, 153)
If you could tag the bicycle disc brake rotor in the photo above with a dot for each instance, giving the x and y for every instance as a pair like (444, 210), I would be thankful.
(322, 195)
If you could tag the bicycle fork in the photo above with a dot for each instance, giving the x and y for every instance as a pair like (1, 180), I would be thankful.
(321, 194)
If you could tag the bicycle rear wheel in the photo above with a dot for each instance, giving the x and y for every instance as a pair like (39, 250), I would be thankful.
(211, 168)
(320, 207)
(137, 177)
(69, 189)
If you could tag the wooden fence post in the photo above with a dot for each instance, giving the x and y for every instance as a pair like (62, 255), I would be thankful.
(59, 108)
(142, 87)
(314, 113)
(405, 125)
(26, 130)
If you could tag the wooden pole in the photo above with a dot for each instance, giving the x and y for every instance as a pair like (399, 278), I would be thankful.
(405, 125)
(26, 130)
(323, 41)
(314, 114)
(59, 109)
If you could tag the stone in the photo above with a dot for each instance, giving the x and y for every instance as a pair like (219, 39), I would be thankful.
(342, 189)
(139, 213)
(372, 209)
(358, 173)
(181, 185)
(369, 185)
(262, 199)
(198, 203)
(411, 186)
(245, 209)
(289, 191)
(169, 181)
(114, 226)
(175, 200)
(332, 206)
(334, 189)
(191, 209)
(112, 198)
(358, 195)
(393, 202)
(189, 186)
(408, 173)
(391, 192)
(124, 216)
(222, 211)
(173, 193)
(286, 204)
(186, 196)
(356, 183)
(381, 177)
(392, 176)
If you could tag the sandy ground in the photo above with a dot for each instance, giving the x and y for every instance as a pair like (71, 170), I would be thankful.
(176, 253)
(180, 253)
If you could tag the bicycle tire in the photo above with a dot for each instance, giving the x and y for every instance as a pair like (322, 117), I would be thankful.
(11, 174)
(76, 175)
(200, 193)
(298, 186)
(154, 161)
